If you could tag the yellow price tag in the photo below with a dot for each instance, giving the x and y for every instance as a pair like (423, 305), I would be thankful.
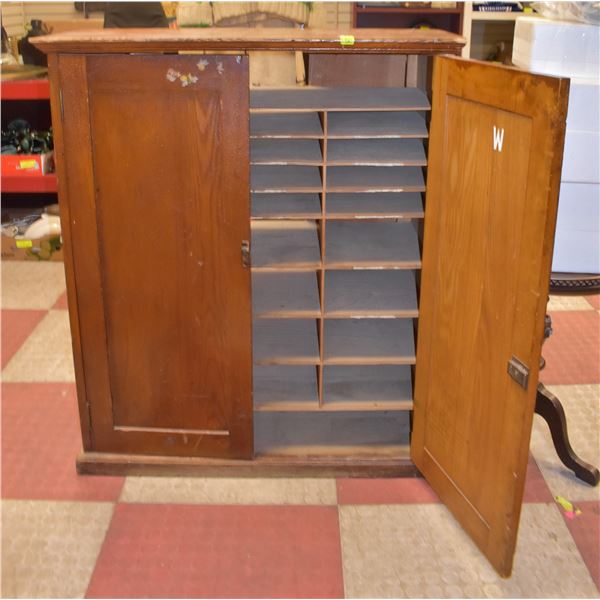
(28, 164)
(24, 243)
(347, 40)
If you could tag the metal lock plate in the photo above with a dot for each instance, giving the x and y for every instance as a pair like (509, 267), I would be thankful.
(519, 372)
(246, 253)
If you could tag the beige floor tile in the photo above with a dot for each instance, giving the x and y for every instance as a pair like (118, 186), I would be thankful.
(49, 549)
(229, 491)
(568, 303)
(582, 408)
(47, 353)
(32, 285)
(417, 551)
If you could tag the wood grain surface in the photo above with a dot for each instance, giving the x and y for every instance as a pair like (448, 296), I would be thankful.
(150, 231)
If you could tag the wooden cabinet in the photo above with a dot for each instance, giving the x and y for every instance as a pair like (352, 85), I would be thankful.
(258, 277)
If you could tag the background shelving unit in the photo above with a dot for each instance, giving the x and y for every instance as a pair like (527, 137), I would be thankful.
(377, 15)
(336, 192)
(483, 30)
(28, 99)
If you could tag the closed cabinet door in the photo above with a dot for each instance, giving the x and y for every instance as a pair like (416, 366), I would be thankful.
(494, 169)
(153, 152)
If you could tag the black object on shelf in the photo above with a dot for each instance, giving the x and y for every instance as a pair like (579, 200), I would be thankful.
(31, 55)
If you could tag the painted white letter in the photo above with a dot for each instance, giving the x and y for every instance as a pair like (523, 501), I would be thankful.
(498, 139)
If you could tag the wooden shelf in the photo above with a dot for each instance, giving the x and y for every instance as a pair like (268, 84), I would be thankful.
(375, 179)
(285, 152)
(280, 245)
(285, 342)
(339, 99)
(379, 387)
(29, 184)
(378, 293)
(357, 125)
(285, 388)
(312, 434)
(286, 126)
(286, 206)
(285, 295)
(376, 153)
(369, 342)
(407, 205)
(368, 244)
(273, 179)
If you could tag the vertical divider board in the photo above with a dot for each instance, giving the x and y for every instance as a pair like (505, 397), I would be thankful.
(320, 368)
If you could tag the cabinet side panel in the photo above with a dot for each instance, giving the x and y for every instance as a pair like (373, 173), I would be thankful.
(67, 76)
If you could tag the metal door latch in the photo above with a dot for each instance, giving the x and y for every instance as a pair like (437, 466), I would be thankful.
(519, 372)
(245, 253)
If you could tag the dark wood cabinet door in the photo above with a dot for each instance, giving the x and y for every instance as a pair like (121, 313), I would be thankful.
(494, 169)
(154, 170)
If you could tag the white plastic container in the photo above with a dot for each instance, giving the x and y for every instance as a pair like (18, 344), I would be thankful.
(581, 158)
(557, 47)
(584, 105)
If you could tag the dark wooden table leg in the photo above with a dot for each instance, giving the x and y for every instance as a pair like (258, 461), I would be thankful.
(548, 406)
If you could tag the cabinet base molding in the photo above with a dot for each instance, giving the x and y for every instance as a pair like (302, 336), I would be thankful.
(99, 463)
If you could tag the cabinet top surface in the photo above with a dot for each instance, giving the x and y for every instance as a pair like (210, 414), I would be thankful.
(409, 41)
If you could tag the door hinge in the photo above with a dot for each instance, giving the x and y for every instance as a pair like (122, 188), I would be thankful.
(519, 372)
(245, 253)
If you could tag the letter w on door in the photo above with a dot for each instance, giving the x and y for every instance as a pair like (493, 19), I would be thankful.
(498, 138)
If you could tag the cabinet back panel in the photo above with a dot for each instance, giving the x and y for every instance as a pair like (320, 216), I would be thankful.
(171, 210)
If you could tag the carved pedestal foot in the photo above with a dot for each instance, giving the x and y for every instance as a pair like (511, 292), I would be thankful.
(548, 406)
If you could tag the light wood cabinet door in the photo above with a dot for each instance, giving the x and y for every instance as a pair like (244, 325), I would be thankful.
(495, 157)
(154, 180)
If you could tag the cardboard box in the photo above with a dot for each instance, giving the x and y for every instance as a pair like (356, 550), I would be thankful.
(27, 164)
(47, 248)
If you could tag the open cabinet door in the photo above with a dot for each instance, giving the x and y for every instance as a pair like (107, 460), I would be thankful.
(495, 158)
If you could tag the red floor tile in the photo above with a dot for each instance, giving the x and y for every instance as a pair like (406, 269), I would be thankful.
(40, 440)
(17, 325)
(180, 551)
(585, 530)
(572, 353)
(402, 490)
(536, 488)
(61, 303)
(594, 300)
